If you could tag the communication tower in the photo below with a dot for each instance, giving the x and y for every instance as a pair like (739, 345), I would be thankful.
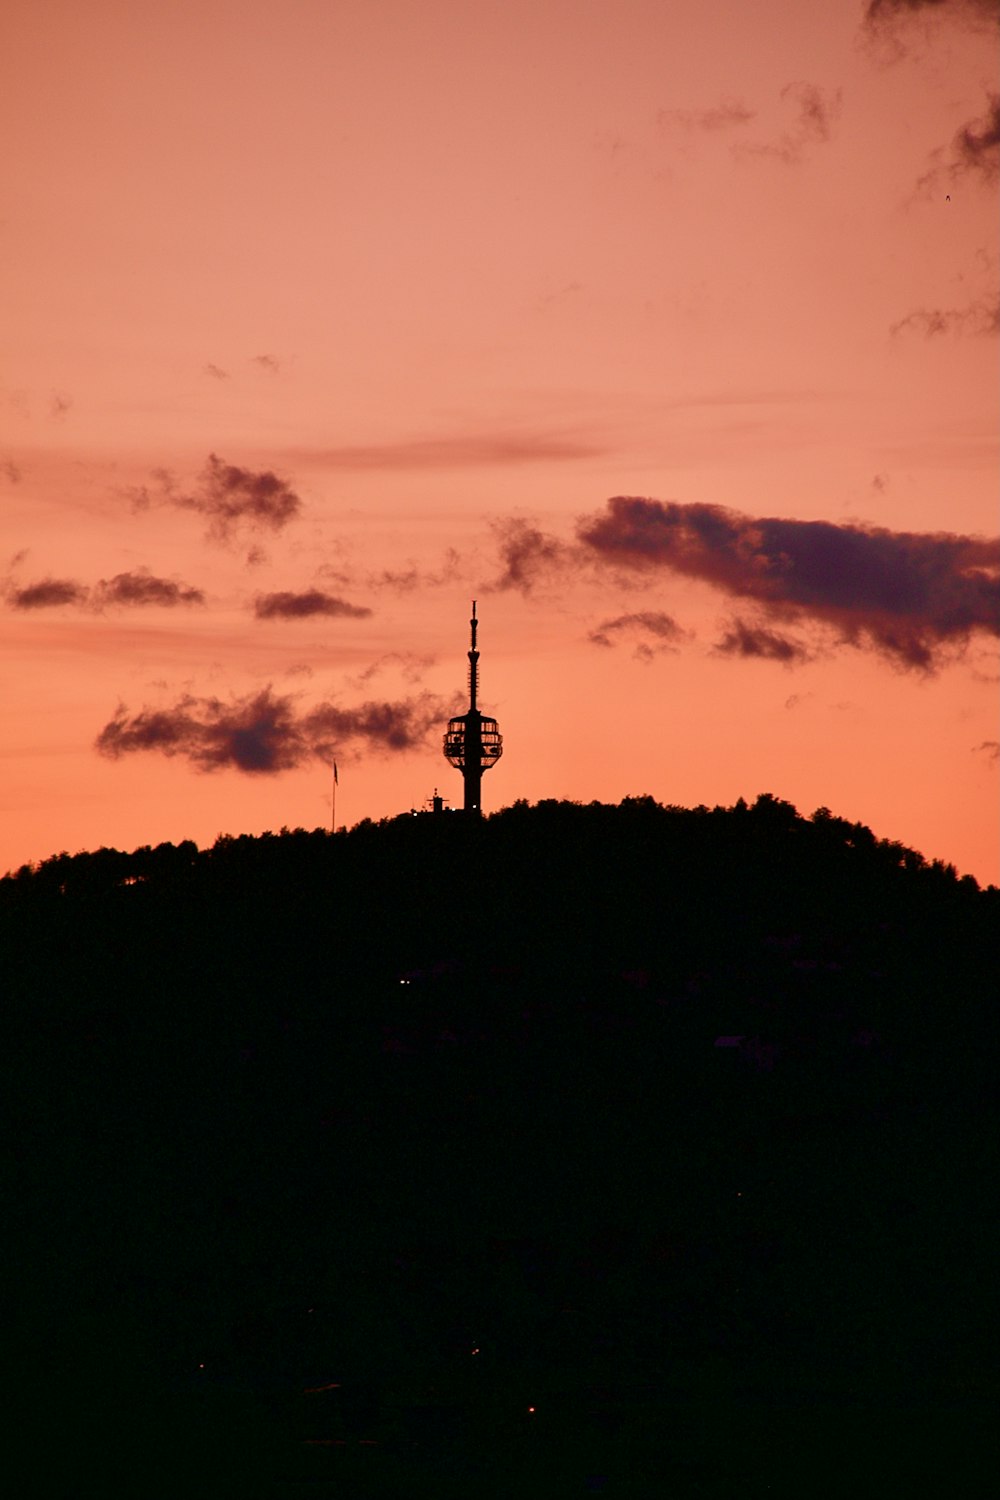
(473, 743)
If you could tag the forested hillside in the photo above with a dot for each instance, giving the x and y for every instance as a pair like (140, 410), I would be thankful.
(581, 1149)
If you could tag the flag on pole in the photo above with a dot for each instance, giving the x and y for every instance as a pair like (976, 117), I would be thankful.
(336, 779)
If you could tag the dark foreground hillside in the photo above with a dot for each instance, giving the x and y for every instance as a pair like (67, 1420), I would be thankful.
(587, 1150)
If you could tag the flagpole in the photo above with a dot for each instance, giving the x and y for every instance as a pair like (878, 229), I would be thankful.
(333, 801)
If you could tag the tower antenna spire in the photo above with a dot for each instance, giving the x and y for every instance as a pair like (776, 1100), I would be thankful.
(473, 661)
(473, 742)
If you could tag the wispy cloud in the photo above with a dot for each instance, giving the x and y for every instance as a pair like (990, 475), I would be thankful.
(408, 664)
(981, 317)
(305, 605)
(989, 748)
(265, 733)
(815, 113)
(907, 595)
(228, 496)
(10, 471)
(527, 554)
(406, 579)
(746, 640)
(974, 155)
(266, 362)
(216, 371)
(977, 145)
(663, 628)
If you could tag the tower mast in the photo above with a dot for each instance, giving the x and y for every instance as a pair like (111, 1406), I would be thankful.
(473, 742)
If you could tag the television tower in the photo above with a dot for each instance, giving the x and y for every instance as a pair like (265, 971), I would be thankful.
(472, 742)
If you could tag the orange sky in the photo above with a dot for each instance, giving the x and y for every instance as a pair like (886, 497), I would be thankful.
(434, 282)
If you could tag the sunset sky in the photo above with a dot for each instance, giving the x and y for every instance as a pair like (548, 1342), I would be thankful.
(667, 331)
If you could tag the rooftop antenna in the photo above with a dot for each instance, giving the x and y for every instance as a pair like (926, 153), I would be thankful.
(473, 743)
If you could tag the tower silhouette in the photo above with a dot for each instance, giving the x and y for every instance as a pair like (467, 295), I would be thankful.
(472, 742)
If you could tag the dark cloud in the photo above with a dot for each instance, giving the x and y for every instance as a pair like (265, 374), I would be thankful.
(10, 471)
(816, 110)
(742, 639)
(907, 595)
(59, 405)
(457, 452)
(989, 748)
(48, 593)
(526, 554)
(266, 362)
(216, 372)
(981, 317)
(227, 496)
(725, 116)
(141, 588)
(291, 606)
(264, 733)
(127, 590)
(649, 622)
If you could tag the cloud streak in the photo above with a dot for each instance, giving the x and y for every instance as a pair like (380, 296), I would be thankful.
(907, 595)
(889, 12)
(456, 452)
(306, 605)
(729, 114)
(263, 733)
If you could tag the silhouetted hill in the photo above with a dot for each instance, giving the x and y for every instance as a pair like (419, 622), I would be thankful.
(672, 1124)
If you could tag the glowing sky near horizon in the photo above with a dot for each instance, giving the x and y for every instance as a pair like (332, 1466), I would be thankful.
(322, 319)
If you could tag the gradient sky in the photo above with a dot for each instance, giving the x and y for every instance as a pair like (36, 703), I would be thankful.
(666, 331)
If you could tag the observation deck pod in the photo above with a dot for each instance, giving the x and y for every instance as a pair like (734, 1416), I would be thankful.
(472, 739)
